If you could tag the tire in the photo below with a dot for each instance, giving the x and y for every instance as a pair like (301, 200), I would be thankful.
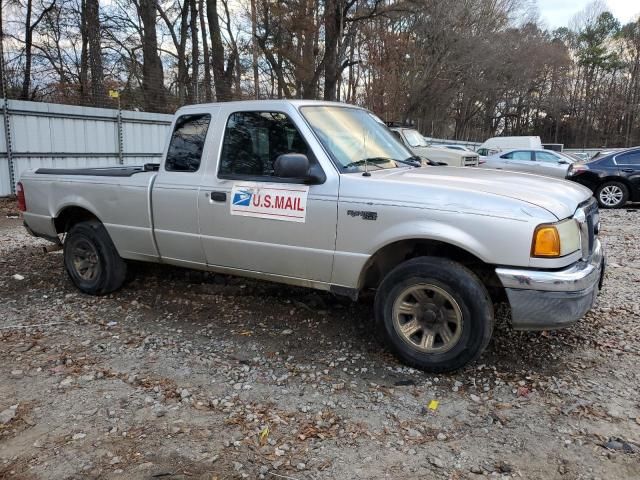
(612, 195)
(91, 260)
(456, 292)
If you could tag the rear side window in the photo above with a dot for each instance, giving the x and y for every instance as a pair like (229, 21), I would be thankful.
(519, 155)
(547, 157)
(253, 141)
(629, 158)
(187, 143)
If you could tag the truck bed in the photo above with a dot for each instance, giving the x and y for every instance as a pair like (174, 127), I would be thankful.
(117, 195)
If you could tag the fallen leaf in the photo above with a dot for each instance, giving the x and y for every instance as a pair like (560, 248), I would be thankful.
(264, 434)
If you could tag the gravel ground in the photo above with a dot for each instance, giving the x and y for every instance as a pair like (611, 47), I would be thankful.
(191, 375)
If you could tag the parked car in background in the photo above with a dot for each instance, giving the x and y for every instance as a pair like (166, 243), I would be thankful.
(541, 162)
(501, 144)
(462, 148)
(582, 156)
(412, 139)
(614, 179)
(607, 152)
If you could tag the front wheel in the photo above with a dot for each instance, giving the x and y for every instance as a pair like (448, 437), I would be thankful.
(434, 314)
(91, 259)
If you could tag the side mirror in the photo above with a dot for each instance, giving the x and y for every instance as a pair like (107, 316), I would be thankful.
(296, 165)
(291, 165)
(562, 162)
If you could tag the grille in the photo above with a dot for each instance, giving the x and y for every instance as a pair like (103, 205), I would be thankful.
(589, 220)
(471, 161)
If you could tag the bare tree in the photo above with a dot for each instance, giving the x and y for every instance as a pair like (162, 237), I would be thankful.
(222, 75)
(152, 73)
(205, 51)
(95, 51)
(29, 28)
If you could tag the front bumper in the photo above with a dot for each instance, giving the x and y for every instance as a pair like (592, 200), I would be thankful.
(543, 300)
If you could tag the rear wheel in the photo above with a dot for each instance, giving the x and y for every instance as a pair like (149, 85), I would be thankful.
(434, 314)
(612, 194)
(91, 259)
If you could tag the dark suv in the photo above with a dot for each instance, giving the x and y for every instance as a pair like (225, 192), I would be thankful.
(614, 179)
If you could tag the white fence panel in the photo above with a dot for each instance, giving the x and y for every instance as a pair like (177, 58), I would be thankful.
(67, 136)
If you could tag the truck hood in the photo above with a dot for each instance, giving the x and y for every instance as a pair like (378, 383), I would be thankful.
(559, 197)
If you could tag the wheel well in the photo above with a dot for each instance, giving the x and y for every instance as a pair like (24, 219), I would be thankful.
(388, 257)
(622, 180)
(69, 216)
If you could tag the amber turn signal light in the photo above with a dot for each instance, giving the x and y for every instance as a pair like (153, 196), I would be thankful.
(546, 242)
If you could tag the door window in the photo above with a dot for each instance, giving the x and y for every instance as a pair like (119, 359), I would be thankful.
(187, 143)
(547, 157)
(629, 158)
(517, 155)
(254, 140)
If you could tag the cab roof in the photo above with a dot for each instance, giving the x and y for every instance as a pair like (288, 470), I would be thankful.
(263, 104)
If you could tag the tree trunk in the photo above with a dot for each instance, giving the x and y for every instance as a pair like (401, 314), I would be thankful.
(28, 43)
(95, 52)
(183, 74)
(84, 53)
(195, 54)
(254, 50)
(152, 73)
(221, 78)
(205, 53)
(332, 27)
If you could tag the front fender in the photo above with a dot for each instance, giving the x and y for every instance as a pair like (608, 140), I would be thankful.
(494, 240)
(435, 231)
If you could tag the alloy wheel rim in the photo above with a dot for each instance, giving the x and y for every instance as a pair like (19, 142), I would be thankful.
(427, 318)
(85, 260)
(611, 195)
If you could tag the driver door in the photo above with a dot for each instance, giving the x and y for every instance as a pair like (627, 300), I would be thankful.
(251, 220)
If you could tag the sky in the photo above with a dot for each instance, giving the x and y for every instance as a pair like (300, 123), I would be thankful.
(558, 13)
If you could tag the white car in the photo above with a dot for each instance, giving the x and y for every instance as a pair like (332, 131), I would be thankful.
(413, 140)
(541, 162)
(462, 148)
(452, 146)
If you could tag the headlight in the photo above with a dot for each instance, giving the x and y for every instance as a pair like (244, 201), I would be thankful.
(556, 240)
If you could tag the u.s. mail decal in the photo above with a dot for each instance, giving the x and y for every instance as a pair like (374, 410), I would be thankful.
(275, 201)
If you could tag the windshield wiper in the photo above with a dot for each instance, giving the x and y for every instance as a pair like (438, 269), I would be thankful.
(414, 161)
(372, 160)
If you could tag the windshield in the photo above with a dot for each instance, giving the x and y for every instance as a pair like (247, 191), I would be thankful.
(352, 136)
(414, 139)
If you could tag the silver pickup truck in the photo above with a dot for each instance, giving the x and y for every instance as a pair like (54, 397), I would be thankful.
(322, 195)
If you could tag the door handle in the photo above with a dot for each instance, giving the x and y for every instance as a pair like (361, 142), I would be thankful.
(218, 197)
(628, 170)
